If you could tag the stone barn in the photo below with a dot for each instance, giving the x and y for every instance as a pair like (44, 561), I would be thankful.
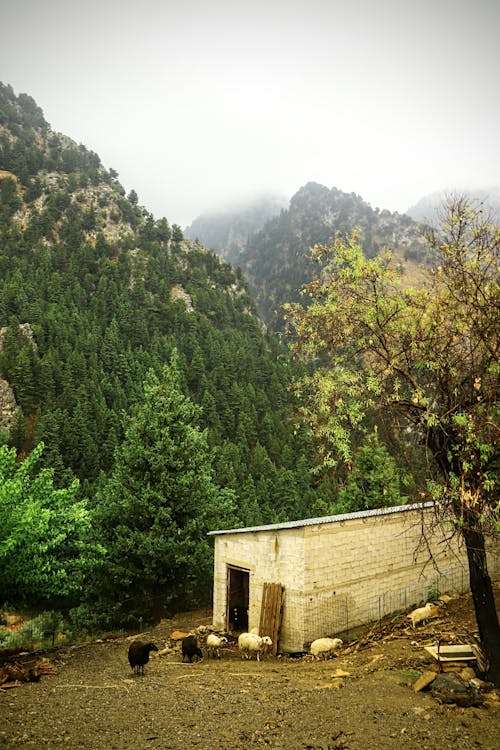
(334, 573)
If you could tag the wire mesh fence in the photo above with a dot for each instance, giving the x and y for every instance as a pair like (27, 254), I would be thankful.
(330, 613)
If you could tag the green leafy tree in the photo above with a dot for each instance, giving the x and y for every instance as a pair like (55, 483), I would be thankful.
(157, 507)
(45, 554)
(374, 480)
(428, 355)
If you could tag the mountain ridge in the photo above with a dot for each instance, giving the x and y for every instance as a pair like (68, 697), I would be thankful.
(276, 260)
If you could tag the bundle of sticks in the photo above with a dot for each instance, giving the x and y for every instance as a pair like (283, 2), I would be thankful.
(12, 674)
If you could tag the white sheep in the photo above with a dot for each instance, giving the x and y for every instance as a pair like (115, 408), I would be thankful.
(214, 643)
(422, 614)
(322, 648)
(249, 643)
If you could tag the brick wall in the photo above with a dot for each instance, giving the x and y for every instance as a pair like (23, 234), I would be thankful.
(344, 573)
(268, 555)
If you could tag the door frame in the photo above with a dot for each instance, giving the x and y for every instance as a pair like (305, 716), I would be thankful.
(237, 597)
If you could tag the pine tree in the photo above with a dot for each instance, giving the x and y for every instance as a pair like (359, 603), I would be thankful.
(157, 507)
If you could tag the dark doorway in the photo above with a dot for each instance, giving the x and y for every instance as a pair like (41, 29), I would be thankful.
(238, 587)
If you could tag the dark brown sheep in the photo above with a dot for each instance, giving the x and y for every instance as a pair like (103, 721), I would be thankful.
(190, 648)
(138, 655)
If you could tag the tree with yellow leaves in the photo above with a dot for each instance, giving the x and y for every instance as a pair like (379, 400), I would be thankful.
(428, 355)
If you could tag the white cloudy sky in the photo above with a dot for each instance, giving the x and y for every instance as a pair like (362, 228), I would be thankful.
(197, 104)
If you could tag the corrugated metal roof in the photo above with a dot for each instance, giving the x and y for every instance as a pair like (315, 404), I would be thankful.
(324, 519)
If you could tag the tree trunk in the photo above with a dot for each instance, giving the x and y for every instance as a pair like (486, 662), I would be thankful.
(484, 601)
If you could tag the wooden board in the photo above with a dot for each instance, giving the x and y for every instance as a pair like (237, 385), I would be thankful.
(270, 613)
(451, 653)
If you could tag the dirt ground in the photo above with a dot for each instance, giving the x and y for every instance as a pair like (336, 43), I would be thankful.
(361, 700)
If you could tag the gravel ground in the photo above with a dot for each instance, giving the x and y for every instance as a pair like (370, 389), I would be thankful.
(93, 700)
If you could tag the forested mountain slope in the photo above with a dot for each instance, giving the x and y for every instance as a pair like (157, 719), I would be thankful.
(95, 291)
(276, 257)
(228, 231)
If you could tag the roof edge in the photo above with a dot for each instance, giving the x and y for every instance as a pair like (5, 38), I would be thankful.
(325, 519)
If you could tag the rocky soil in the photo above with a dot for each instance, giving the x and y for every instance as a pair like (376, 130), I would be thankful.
(361, 700)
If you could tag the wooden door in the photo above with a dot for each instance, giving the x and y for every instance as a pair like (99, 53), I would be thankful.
(271, 611)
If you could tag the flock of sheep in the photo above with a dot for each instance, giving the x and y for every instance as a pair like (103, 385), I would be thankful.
(252, 644)
(249, 645)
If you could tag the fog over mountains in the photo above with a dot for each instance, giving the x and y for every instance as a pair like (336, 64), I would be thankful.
(270, 238)
(271, 242)
(425, 209)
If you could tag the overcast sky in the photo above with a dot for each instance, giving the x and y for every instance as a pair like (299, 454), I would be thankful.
(200, 103)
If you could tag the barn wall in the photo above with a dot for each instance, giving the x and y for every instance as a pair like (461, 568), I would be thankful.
(361, 569)
(275, 556)
(342, 574)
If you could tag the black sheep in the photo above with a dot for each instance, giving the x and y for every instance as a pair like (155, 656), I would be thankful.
(190, 648)
(138, 655)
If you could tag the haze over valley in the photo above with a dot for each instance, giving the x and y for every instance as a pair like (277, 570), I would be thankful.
(199, 107)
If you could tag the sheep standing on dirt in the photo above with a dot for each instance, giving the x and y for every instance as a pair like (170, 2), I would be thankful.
(138, 655)
(323, 648)
(422, 614)
(214, 643)
(190, 648)
(250, 643)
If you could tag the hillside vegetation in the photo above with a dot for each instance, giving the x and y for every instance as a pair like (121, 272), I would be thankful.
(95, 293)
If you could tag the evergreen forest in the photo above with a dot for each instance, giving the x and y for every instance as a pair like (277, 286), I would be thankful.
(96, 297)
